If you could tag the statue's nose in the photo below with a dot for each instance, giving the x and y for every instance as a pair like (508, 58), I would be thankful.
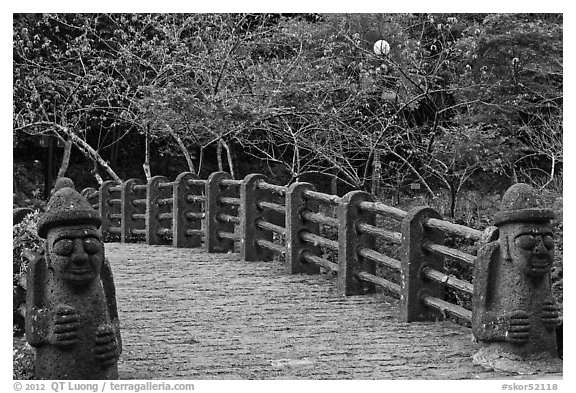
(79, 256)
(539, 248)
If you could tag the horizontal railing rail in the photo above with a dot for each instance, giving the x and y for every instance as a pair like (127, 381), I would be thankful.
(275, 247)
(271, 206)
(231, 182)
(317, 240)
(392, 237)
(263, 185)
(320, 218)
(321, 197)
(319, 261)
(453, 229)
(460, 256)
(262, 224)
(383, 209)
(391, 286)
(378, 257)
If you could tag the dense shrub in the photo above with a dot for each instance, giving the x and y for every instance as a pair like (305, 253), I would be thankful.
(27, 179)
(22, 358)
(25, 246)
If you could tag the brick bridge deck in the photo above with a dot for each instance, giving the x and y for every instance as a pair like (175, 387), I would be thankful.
(186, 314)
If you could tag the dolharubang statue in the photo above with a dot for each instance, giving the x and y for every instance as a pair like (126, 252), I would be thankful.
(514, 312)
(71, 312)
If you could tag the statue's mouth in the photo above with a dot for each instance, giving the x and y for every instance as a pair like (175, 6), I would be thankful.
(80, 275)
(540, 264)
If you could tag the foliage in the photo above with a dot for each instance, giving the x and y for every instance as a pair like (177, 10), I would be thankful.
(460, 153)
(518, 63)
(26, 244)
(69, 82)
(22, 359)
(304, 94)
(26, 181)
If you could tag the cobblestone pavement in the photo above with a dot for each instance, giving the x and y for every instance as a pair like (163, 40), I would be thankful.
(186, 314)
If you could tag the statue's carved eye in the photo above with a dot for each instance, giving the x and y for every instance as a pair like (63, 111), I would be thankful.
(548, 242)
(526, 242)
(63, 247)
(92, 245)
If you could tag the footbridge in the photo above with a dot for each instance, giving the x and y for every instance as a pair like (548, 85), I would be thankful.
(244, 279)
(187, 314)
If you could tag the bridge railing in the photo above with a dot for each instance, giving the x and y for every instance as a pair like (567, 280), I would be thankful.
(133, 208)
(110, 201)
(358, 236)
(221, 208)
(263, 220)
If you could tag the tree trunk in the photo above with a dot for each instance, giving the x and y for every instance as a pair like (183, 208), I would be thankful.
(146, 164)
(115, 147)
(96, 174)
(65, 159)
(229, 158)
(219, 155)
(334, 182)
(376, 173)
(191, 167)
(453, 196)
(88, 151)
(82, 145)
(552, 171)
(200, 161)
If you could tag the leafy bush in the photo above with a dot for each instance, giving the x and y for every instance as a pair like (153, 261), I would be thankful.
(22, 359)
(27, 181)
(25, 246)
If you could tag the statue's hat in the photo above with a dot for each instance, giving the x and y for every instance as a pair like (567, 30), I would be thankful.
(67, 207)
(521, 203)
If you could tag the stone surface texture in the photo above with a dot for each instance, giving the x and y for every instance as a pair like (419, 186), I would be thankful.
(71, 314)
(187, 314)
(515, 315)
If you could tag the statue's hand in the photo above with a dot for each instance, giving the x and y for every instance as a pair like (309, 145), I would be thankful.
(518, 330)
(106, 348)
(550, 316)
(64, 330)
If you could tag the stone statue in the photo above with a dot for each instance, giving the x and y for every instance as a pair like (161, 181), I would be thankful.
(514, 312)
(71, 313)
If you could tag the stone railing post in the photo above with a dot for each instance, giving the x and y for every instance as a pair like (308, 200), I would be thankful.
(350, 241)
(154, 207)
(133, 213)
(249, 215)
(214, 208)
(295, 225)
(187, 219)
(110, 209)
(413, 283)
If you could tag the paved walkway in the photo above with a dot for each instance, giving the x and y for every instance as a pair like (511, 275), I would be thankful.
(186, 314)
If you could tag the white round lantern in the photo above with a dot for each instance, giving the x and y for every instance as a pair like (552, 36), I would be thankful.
(381, 47)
